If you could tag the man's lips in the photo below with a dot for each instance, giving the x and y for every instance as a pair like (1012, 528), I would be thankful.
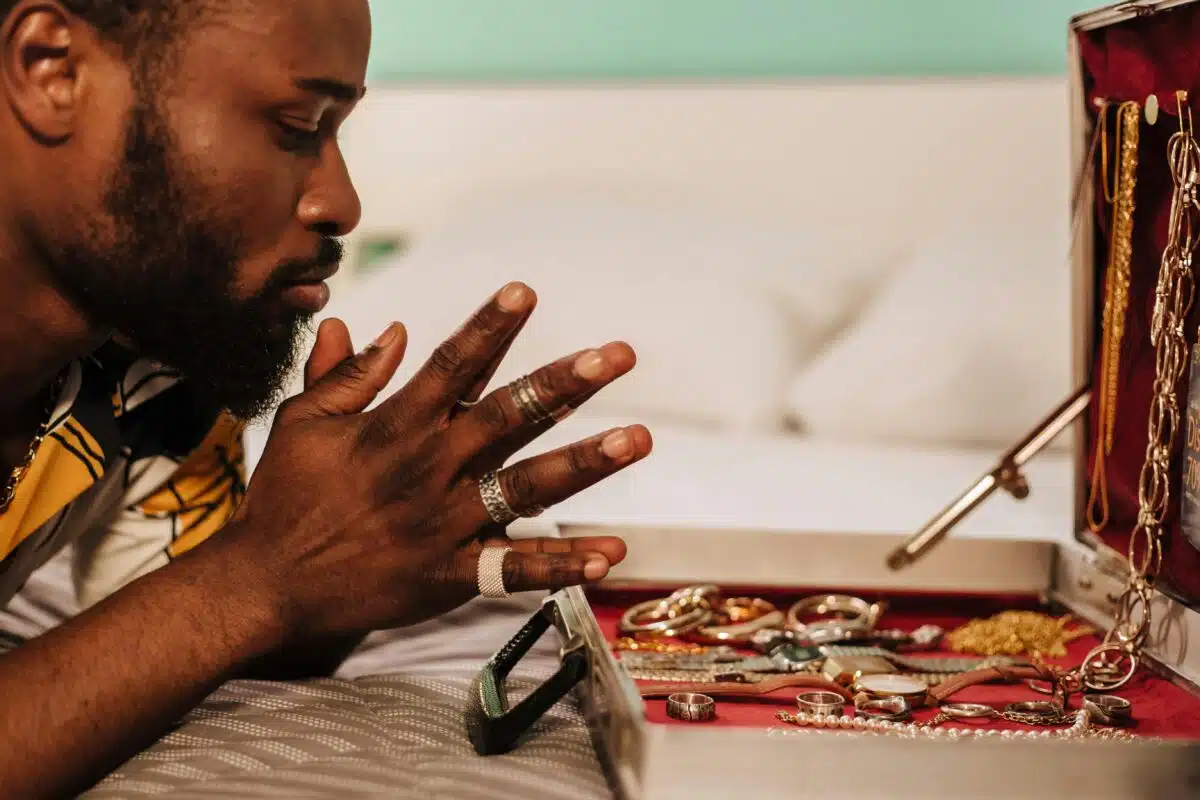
(311, 297)
(307, 290)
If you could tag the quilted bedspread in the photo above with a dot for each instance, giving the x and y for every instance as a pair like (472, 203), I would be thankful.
(392, 736)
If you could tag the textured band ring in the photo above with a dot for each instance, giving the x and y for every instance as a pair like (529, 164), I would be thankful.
(527, 402)
(490, 572)
(691, 707)
(492, 495)
(821, 704)
(493, 500)
(1037, 712)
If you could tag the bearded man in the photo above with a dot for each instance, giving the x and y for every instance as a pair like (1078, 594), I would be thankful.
(171, 200)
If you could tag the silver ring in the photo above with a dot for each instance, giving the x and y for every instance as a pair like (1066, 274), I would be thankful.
(489, 574)
(492, 495)
(892, 709)
(968, 711)
(465, 405)
(821, 704)
(691, 707)
(1108, 709)
(525, 398)
(1036, 712)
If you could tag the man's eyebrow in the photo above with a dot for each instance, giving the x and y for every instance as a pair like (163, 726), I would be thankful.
(338, 90)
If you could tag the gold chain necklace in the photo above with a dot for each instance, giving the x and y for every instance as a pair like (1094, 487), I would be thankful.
(1115, 661)
(1014, 633)
(18, 474)
(1116, 302)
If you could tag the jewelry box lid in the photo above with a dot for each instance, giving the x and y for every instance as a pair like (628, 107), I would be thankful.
(1121, 12)
(1101, 87)
(1123, 579)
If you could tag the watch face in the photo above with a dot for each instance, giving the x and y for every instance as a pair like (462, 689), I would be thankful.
(848, 669)
(891, 685)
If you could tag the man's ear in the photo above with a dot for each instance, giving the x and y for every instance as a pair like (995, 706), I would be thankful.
(39, 68)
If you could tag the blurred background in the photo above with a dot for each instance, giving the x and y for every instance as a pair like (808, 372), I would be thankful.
(835, 232)
(540, 40)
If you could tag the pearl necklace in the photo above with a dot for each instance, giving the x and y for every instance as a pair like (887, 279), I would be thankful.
(1081, 728)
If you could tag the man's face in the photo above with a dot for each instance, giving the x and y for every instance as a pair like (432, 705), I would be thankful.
(216, 219)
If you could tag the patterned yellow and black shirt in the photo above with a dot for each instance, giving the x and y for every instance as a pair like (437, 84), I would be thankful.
(135, 469)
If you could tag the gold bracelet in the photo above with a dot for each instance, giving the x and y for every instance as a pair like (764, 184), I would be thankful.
(1116, 300)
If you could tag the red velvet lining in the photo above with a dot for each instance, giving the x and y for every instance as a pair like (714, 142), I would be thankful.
(1154, 54)
(1160, 708)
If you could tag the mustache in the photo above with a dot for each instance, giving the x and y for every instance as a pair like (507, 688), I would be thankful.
(330, 252)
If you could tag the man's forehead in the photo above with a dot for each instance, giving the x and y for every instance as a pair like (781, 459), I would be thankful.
(325, 44)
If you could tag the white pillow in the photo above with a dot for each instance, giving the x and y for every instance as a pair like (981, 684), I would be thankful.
(970, 344)
(699, 299)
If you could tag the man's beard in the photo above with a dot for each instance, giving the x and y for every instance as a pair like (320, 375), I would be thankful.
(166, 280)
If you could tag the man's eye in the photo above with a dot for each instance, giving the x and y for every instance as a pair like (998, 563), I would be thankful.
(296, 139)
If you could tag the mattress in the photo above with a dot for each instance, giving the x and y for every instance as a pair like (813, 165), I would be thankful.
(798, 484)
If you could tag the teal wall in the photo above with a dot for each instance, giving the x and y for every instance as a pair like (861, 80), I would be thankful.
(599, 39)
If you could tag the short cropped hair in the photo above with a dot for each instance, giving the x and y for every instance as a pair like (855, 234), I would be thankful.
(143, 29)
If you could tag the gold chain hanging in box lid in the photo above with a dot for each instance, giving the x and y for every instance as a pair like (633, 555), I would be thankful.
(1189, 516)
(1115, 661)
(1116, 299)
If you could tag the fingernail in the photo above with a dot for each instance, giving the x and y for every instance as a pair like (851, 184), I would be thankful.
(512, 297)
(387, 337)
(617, 445)
(595, 568)
(590, 365)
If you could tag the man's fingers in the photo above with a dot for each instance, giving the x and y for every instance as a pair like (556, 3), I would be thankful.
(531, 572)
(507, 419)
(550, 478)
(524, 571)
(353, 383)
(458, 363)
(612, 548)
(542, 564)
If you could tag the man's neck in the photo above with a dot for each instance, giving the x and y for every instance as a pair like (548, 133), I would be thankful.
(40, 333)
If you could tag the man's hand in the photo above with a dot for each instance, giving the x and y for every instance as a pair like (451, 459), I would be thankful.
(359, 520)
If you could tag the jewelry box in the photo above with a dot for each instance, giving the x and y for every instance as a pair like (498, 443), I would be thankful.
(857, 623)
